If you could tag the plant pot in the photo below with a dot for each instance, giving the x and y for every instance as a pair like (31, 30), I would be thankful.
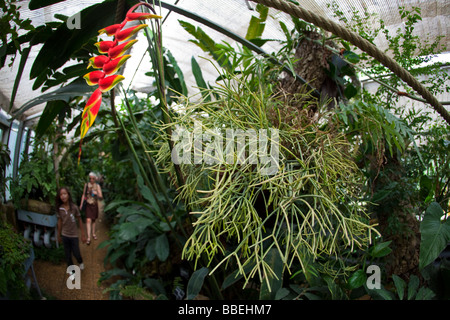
(36, 206)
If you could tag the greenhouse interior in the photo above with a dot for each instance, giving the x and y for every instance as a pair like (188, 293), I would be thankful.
(225, 150)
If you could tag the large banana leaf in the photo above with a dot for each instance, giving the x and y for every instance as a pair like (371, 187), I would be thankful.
(51, 111)
(23, 61)
(64, 42)
(37, 4)
(66, 93)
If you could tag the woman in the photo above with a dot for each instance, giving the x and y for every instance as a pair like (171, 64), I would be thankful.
(69, 220)
(92, 194)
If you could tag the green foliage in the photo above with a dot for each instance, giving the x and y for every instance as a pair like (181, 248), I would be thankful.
(410, 51)
(140, 228)
(257, 25)
(403, 291)
(438, 278)
(143, 214)
(196, 282)
(295, 202)
(35, 179)
(310, 218)
(373, 255)
(273, 281)
(48, 67)
(198, 75)
(207, 44)
(64, 95)
(435, 234)
(357, 279)
(400, 289)
(135, 292)
(432, 174)
(415, 171)
(52, 56)
(173, 75)
(375, 127)
(14, 251)
(380, 250)
(55, 255)
(10, 25)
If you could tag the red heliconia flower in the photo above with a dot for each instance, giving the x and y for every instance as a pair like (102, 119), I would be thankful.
(120, 49)
(131, 16)
(111, 30)
(90, 111)
(104, 46)
(110, 82)
(92, 78)
(98, 62)
(110, 63)
(125, 34)
(89, 114)
(114, 65)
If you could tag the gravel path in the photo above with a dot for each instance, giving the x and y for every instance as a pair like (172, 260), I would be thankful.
(52, 278)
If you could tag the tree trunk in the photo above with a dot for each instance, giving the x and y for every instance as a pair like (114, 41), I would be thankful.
(312, 65)
(56, 152)
(395, 214)
(397, 220)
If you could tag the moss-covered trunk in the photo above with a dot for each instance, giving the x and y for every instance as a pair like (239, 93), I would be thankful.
(397, 219)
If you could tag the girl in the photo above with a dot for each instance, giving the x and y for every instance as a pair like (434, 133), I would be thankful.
(92, 194)
(68, 215)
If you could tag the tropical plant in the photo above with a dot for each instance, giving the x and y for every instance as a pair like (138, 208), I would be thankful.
(396, 139)
(302, 231)
(35, 179)
(435, 234)
(388, 155)
(246, 218)
(429, 168)
(109, 64)
(14, 251)
(403, 290)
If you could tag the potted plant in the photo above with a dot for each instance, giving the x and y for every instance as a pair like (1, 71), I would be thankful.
(34, 188)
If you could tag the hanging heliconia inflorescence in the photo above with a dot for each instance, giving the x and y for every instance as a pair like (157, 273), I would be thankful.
(112, 59)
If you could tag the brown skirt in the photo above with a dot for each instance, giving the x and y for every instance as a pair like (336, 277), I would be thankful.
(92, 211)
